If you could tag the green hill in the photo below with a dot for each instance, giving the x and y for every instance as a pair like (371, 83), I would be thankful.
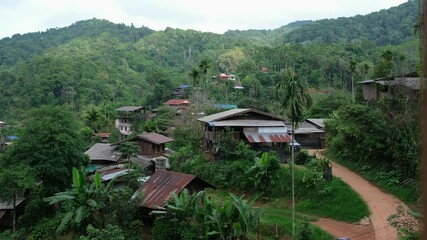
(391, 26)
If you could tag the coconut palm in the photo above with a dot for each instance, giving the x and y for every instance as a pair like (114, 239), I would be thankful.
(294, 99)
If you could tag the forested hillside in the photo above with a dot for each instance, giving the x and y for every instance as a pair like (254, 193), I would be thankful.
(96, 62)
(391, 26)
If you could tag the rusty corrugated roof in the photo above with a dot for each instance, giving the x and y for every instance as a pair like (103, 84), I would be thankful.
(158, 189)
(177, 102)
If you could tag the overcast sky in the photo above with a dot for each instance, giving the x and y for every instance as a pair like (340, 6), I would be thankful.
(22, 16)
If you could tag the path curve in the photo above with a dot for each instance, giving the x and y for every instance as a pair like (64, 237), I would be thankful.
(381, 205)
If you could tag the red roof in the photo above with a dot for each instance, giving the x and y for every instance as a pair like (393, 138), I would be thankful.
(223, 75)
(159, 187)
(175, 102)
(103, 134)
(154, 138)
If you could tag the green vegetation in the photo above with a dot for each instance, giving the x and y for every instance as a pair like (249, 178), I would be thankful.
(359, 139)
(61, 86)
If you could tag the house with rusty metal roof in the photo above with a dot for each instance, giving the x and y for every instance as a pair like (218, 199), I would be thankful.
(158, 189)
(263, 131)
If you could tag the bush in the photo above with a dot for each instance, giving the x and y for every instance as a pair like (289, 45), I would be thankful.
(111, 232)
(46, 229)
(167, 229)
(302, 157)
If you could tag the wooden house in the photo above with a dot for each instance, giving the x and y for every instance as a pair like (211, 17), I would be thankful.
(177, 103)
(151, 144)
(181, 91)
(310, 133)
(405, 86)
(103, 154)
(6, 212)
(125, 117)
(263, 131)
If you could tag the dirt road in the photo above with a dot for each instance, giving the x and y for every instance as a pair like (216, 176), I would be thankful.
(381, 206)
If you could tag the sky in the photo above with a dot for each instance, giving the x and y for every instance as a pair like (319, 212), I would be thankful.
(218, 16)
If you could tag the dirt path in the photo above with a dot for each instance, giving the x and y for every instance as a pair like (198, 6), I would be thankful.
(381, 206)
(342, 229)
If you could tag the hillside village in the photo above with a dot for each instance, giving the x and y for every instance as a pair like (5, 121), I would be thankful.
(117, 132)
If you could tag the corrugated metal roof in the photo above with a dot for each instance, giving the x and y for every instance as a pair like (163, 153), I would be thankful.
(255, 137)
(130, 108)
(307, 130)
(225, 106)
(154, 138)
(9, 205)
(158, 189)
(247, 123)
(413, 83)
(235, 112)
(320, 122)
(104, 152)
(177, 102)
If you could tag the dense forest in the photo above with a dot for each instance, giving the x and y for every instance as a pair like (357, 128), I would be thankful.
(60, 87)
(95, 62)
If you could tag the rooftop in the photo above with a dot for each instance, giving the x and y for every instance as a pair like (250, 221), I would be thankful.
(154, 138)
(160, 186)
(103, 152)
(236, 112)
(130, 108)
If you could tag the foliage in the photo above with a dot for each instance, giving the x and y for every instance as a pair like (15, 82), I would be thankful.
(128, 149)
(167, 229)
(50, 146)
(232, 218)
(407, 222)
(46, 228)
(303, 231)
(264, 173)
(302, 157)
(293, 97)
(357, 137)
(353, 134)
(83, 204)
(324, 105)
(111, 232)
(372, 27)
(231, 149)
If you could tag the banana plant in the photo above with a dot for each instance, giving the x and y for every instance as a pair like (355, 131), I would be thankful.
(83, 203)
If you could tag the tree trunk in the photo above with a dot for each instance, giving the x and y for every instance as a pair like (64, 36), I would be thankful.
(352, 89)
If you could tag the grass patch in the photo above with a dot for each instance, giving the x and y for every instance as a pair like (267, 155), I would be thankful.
(339, 203)
(275, 212)
(283, 218)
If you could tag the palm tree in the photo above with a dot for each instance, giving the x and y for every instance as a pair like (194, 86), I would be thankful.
(353, 70)
(294, 98)
(195, 76)
(204, 66)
